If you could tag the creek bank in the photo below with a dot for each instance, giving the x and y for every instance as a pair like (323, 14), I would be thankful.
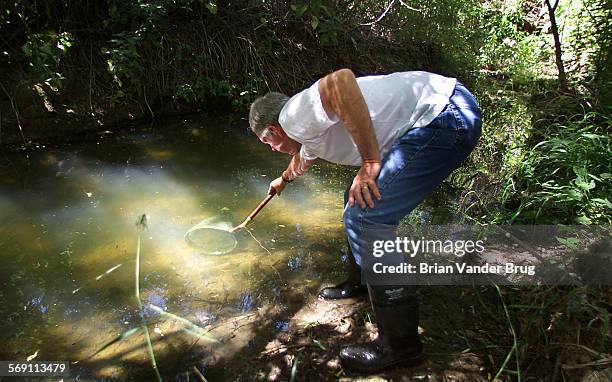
(41, 115)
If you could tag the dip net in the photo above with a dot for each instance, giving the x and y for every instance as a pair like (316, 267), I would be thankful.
(211, 236)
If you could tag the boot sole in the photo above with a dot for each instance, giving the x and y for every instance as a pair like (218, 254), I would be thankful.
(403, 362)
(342, 298)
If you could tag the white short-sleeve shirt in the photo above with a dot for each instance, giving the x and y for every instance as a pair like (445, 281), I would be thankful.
(397, 103)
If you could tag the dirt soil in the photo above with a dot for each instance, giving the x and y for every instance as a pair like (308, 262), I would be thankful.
(465, 332)
(316, 333)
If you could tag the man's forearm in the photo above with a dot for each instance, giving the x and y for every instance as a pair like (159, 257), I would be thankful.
(296, 168)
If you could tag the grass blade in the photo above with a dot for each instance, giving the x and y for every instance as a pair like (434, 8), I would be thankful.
(110, 270)
(514, 349)
(187, 325)
(141, 223)
(294, 369)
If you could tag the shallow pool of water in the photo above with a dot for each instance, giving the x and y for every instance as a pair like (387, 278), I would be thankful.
(68, 235)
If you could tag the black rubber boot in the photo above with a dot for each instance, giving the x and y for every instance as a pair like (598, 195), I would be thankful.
(398, 343)
(352, 287)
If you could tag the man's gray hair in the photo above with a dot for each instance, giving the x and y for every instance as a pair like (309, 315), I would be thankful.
(265, 111)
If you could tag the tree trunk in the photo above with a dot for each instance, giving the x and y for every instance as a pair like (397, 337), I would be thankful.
(555, 32)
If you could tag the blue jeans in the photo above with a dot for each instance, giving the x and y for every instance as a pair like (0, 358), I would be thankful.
(416, 164)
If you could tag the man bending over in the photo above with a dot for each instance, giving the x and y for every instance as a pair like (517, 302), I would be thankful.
(406, 132)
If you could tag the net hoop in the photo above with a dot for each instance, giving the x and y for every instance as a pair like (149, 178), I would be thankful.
(211, 239)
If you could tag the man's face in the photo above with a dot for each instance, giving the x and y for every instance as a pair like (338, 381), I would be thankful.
(279, 141)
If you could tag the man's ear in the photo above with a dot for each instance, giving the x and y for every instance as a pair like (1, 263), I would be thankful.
(275, 129)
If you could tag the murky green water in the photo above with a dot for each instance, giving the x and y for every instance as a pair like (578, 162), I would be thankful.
(68, 237)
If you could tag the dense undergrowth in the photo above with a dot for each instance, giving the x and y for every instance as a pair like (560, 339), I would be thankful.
(544, 157)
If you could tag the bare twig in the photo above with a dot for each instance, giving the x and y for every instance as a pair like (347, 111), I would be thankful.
(91, 109)
(382, 15)
(600, 362)
(144, 93)
(387, 10)
(285, 347)
(199, 374)
(585, 348)
(15, 110)
(409, 7)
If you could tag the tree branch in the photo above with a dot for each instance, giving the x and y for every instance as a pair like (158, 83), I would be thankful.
(409, 7)
(381, 16)
(558, 51)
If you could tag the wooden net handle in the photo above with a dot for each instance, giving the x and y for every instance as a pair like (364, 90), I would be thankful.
(261, 205)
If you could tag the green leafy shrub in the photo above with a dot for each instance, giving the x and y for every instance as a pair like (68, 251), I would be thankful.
(124, 62)
(566, 178)
(322, 20)
(44, 51)
(203, 89)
